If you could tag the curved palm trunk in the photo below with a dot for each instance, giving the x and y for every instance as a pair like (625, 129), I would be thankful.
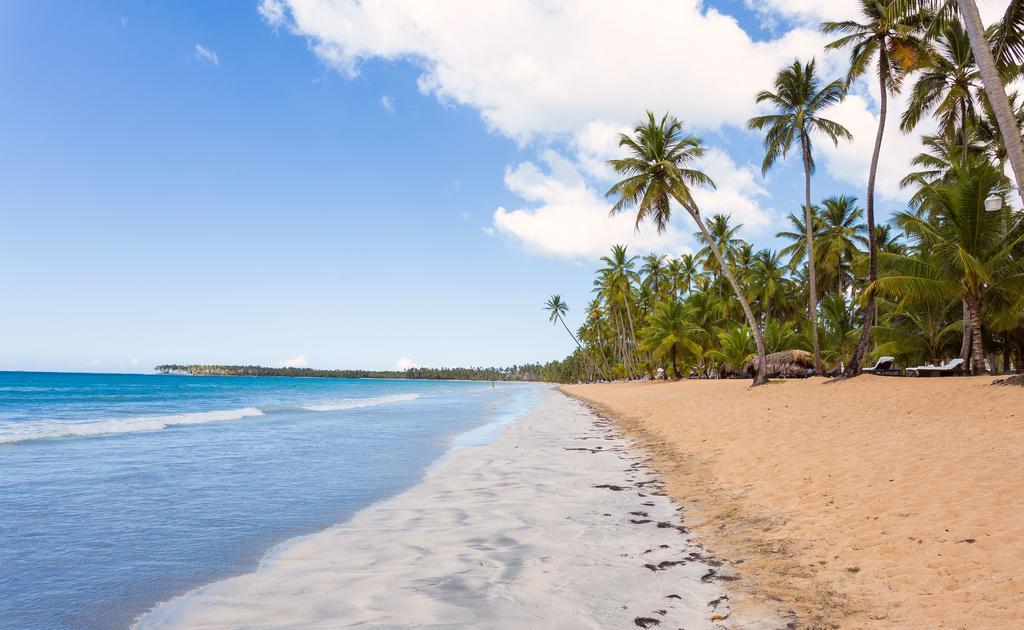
(812, 298)
(854, 367)
(995, 90)
(761, 374)
(586, 358)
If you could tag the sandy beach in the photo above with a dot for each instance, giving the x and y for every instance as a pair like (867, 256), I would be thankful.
(872, 503)
(558, 523)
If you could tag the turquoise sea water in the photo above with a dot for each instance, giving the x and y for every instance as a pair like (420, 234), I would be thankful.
(121, 491)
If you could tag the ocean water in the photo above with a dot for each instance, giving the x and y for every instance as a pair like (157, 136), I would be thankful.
(118, 492)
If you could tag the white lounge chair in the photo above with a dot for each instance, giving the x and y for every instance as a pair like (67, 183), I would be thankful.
(884, 364)
(956, 366)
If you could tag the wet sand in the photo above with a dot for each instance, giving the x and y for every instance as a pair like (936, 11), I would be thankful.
(559, 523)
(871, 503)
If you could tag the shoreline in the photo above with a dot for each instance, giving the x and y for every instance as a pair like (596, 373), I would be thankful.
(871, 503)
(557, 521)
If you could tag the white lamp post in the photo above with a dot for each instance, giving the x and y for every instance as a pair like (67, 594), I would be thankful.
(994, 203)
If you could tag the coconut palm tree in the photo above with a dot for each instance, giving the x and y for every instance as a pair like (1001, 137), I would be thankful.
(995, 52)
(615, 284)
(838, 241)
(973, 253)
(725, 237)
(949, 86)
(1009, 44)
(658, 170)
(655, 281)
(734, 349)
(889, 37)
(799, 99)
(557, 309)
(669, 334)
(686, 273)
(769, 286)
(918, 331)
(796, 251)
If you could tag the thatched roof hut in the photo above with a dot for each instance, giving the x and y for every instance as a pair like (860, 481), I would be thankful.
(785, 363)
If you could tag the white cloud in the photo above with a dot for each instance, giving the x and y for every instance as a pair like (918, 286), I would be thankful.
(568, 218)
(299, 361)
(134, 361)
(124, 21)
(549, 68)
(387, 103)
(405, 363)
(488, 230)
(206, 55)
(272, 11)
(466, 217)
(568, 74)
(739, 193)
(810, 12)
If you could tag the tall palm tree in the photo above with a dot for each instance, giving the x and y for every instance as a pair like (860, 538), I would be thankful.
(796, 251)
(769, 286)
(890, 37)
(949, 86)
(994, 51)
(615, 284)
(799, 99)
(670, 334)
(688, 273)
(1009, 42)
(970, 249)
(659, 170)
(655, 279)
(725, 237)
(557, 309)
(839, 239)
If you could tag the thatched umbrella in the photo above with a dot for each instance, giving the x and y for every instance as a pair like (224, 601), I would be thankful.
(785, 363)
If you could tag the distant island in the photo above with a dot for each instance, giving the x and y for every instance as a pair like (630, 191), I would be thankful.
(550, 372)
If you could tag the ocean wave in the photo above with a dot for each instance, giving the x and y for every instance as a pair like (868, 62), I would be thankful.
(48, 429)
(358, 403)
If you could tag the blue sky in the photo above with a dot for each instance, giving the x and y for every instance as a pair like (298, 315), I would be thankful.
(241, 183)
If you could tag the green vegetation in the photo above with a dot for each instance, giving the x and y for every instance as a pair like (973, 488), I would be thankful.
(944, 278)
(532, 372)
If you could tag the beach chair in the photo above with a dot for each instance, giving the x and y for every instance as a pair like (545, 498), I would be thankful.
(953, 368)
(882, 366)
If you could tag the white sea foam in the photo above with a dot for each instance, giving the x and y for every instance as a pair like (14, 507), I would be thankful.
(48, 429)
(359, 403)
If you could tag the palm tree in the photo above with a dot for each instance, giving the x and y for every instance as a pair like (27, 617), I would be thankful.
(889, 36)
(838, 238)
(769, 286)
(949, 85)
(725, 237)
(686, 273)
(734, 349)
(659, 170)
(615, 283)
(799, 100)
(1007, 40)
(557, 309)
(669, 334)
(918, 331)
(796, 251)
(656, 279)
(970, 250)
(1009, 43)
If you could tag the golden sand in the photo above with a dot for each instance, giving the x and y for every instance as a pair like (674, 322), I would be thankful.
(876, 502)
